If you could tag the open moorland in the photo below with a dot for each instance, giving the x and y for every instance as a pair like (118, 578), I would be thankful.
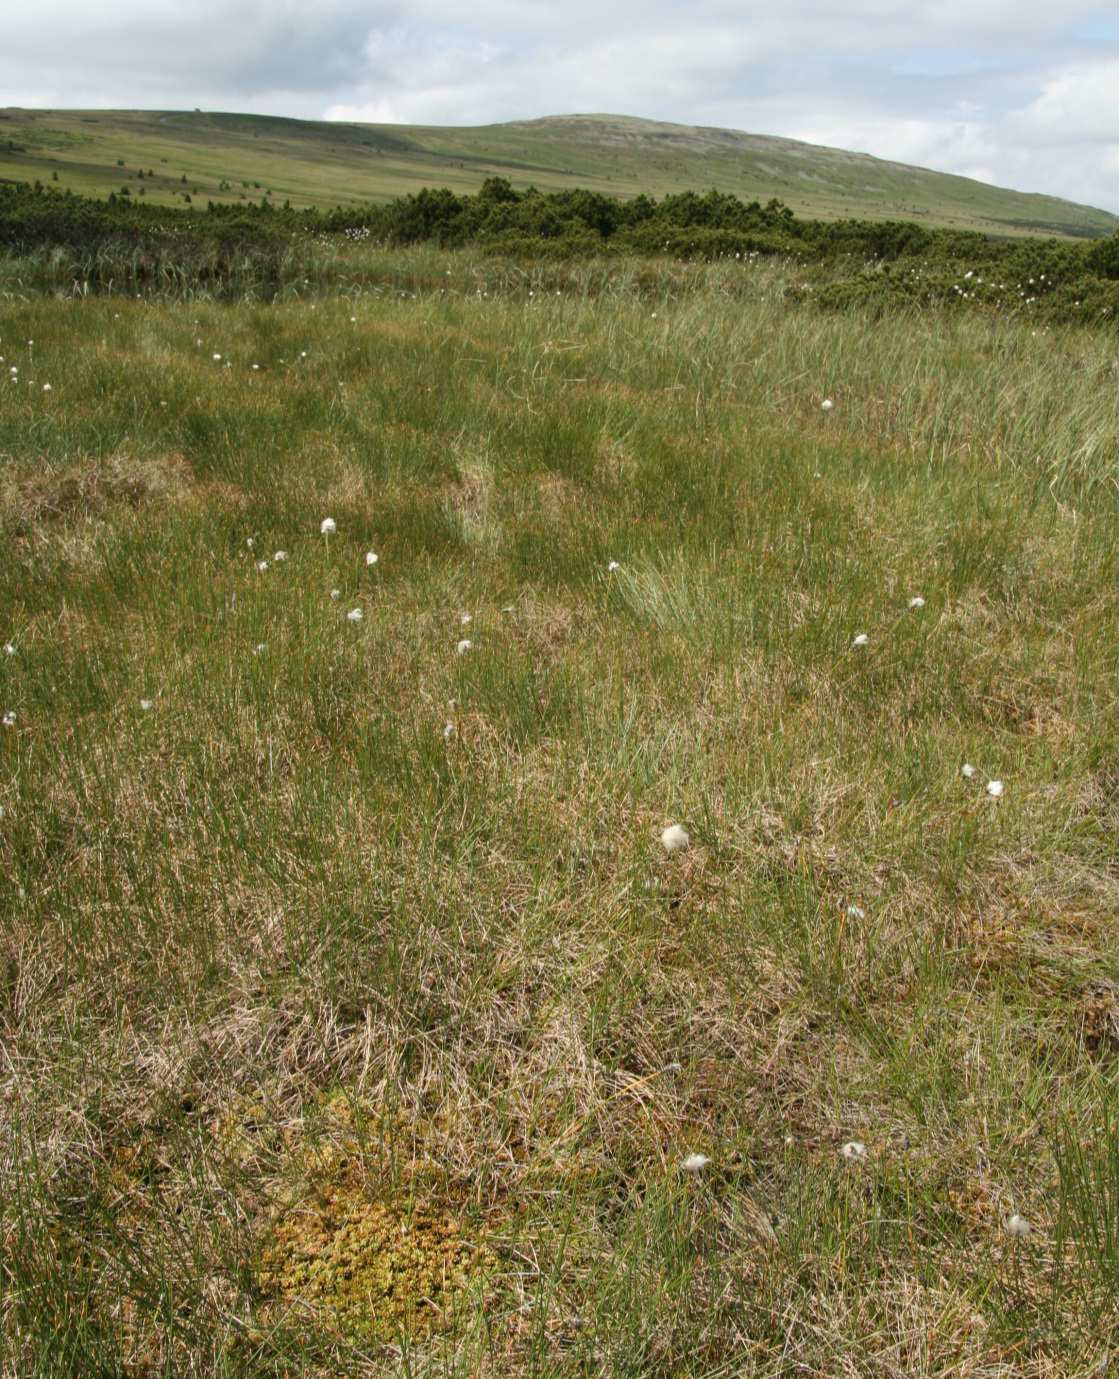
(355, 1016)
(178, 157)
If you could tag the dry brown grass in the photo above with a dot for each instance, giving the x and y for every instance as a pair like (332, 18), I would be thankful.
(93, 488)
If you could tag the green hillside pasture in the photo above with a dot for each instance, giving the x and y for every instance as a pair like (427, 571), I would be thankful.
(231, 158)
(355, 1020)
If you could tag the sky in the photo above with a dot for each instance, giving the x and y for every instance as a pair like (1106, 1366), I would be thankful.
(1016, 92)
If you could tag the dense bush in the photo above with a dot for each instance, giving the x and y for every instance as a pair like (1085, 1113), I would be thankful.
(1103, 257)
(119, 238)
(874, 264)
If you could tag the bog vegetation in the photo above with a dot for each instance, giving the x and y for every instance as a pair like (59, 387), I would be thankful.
(530, 844)
(54, 238)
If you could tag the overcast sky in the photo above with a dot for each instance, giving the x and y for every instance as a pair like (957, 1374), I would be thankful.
(1024, 93)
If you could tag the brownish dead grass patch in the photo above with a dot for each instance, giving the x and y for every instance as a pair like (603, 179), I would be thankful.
(1098, 1010)
(89, 488)
(557, 497)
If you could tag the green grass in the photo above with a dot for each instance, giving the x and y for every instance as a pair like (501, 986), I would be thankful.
(312, 163)
(354, 967)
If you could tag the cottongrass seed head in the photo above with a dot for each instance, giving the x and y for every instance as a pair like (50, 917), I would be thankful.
(146, 704)
(463, 647)
(371, 557)
(613, 565)
(9, 719)
(917, 602)
(826, 405)
(695, 1163)
(967, 770)
(1018, 1227)
(995, 789)
(854, 1151)
(861, 640)
(328, 526)
(674, 838)
(355, 615)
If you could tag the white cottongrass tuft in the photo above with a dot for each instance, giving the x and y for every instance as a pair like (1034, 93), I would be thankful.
(995, 789)
(262, 565)
(466, 619)
(674, 838)
(967, 770)
(855, 912)
(854, 1151)
(508, 608)
(861, 639)
(355, 615)
(448, 731)
(147, 704)
(46, 387)
(826, 405)
(917, 602)
(9, 649)
(1018, 1227)
(612, 567)
(249, 542)
(280, 557)
(695, 1163)
(371, 557)
(259, 649)
(328, 526)
(463, 647)
(336, 593)
(217, 357)
(9, 719)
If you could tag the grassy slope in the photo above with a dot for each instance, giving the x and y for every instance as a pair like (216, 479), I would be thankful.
(349, 929)
(313, 163)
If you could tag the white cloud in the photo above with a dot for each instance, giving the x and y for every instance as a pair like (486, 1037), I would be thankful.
(1077, 105)
(948, 144)
(375, 112)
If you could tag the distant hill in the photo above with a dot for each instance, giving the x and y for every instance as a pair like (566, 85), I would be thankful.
(166, 155)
